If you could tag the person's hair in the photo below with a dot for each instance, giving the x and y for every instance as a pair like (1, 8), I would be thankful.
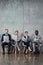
(17, 31)
(36, 31)
(26, 31)
(6, 29)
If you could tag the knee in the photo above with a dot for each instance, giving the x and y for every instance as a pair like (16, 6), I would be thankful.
(9, 44)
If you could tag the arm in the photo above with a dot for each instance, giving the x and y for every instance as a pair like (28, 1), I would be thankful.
(2, 38)
(9, 37)
(40, 39)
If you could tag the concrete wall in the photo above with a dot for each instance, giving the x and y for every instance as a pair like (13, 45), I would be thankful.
(21, 15)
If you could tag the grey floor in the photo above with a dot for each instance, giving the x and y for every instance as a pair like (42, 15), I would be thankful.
(21, 59)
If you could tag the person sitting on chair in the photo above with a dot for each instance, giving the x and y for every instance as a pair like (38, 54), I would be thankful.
(36, 40)
(16, 39)
(6, 40)
(26, 40)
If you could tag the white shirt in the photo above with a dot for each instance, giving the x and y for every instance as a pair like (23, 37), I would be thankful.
(15, 37)
(6, 38)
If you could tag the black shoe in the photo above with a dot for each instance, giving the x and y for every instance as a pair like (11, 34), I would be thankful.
(34, 52)
(37, 52)
(8, 52)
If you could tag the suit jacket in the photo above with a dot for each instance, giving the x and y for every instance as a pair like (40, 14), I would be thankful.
(2, 39)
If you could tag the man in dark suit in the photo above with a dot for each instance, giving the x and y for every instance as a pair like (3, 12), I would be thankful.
(6, 40)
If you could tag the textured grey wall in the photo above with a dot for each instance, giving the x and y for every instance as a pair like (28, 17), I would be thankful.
(22, 15)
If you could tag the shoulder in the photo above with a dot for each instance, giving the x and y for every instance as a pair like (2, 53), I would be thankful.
(24, 36)
(9, 34)
(13, 36)
(39, 36)
(32, 36)
(3, 34)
